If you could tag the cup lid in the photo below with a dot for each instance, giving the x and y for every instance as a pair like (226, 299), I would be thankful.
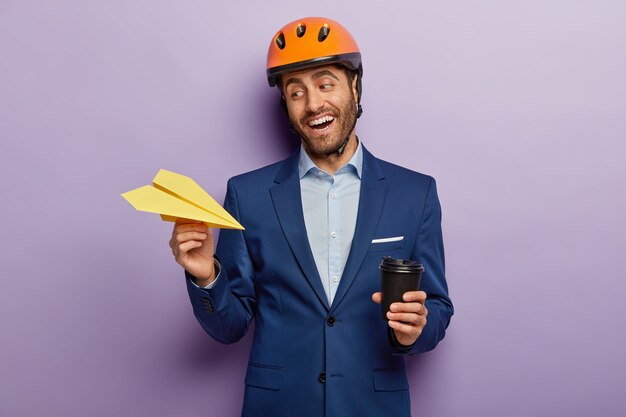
(400, 265)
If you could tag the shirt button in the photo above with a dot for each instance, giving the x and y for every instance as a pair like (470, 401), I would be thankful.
(335, 278)
(320, 173)
(333, 234)
(333, 195)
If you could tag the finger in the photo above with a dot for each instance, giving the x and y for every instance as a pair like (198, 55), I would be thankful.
(418, 296)
(187, 246)
(178, 229)
(201, 227)
(377, 297)
(404, 317)
(403, 328)
(187, 236)
(407, 308)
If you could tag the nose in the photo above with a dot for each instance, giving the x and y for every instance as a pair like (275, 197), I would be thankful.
(314, 101)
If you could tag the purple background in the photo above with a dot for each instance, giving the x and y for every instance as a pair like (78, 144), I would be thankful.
(517, 108)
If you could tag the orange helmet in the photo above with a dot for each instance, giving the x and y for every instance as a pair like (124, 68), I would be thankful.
(308, 42)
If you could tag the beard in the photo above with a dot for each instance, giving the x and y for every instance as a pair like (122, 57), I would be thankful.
(329, 143)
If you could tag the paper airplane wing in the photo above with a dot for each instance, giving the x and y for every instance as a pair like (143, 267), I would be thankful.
(171, 207)
(188, 190)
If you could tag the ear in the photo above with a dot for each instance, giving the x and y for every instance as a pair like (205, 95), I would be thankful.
(283, 104)
(355, 90)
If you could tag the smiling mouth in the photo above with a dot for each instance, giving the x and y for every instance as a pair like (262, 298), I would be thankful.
(321, 123)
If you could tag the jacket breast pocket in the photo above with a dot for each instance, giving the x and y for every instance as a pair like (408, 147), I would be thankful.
(386, 244)
(265, 376)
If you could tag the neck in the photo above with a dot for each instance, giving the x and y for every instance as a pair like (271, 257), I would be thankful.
(332, 163)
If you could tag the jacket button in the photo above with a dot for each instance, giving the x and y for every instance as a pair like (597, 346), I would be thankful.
(331, 321)
(322, 377)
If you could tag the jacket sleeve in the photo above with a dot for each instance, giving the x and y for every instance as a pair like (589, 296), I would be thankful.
(429, 251)
(226, 310)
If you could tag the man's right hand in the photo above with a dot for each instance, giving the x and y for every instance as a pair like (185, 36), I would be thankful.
(192, 246)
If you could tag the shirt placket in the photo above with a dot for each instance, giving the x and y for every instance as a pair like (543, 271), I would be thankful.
(334, 236)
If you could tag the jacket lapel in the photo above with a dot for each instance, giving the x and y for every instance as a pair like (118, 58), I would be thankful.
(288, 205)
(371, 202)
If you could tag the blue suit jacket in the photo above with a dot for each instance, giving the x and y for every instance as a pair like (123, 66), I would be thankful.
(309, 358)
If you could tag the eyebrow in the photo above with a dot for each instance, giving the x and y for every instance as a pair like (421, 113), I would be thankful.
(321, 73)
(317, 75)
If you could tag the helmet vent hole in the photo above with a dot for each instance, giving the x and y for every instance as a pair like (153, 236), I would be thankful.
(280, 41)
(300, 30)
(323, 33)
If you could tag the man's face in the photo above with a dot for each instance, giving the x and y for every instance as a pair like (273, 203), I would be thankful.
(321, 103)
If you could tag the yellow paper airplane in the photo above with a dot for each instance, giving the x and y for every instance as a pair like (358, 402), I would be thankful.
(175, 196)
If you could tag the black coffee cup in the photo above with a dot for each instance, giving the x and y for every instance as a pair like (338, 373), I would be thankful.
(398, 276)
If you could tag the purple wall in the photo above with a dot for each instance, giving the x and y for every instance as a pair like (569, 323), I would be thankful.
(517, 108)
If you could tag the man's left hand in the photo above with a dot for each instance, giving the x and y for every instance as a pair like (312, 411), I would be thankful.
(407, 318)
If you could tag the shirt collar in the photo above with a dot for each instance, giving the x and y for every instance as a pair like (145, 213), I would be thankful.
(305, 164)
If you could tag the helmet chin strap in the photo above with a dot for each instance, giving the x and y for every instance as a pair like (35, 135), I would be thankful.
(345, 141)
(343, 145)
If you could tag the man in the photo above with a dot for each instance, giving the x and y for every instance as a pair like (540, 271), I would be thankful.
(306, 267)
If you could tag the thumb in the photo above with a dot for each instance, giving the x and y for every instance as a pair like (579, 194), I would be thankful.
(377, 297)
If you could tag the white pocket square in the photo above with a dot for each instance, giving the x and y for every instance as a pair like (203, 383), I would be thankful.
(388, 239)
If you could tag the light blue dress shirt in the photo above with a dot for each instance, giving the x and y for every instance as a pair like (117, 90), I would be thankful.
(330, 204)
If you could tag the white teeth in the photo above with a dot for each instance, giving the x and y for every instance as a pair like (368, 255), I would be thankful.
(321, 120)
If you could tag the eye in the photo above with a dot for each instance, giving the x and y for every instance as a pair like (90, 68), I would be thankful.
(326, 86)
(297, 93)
